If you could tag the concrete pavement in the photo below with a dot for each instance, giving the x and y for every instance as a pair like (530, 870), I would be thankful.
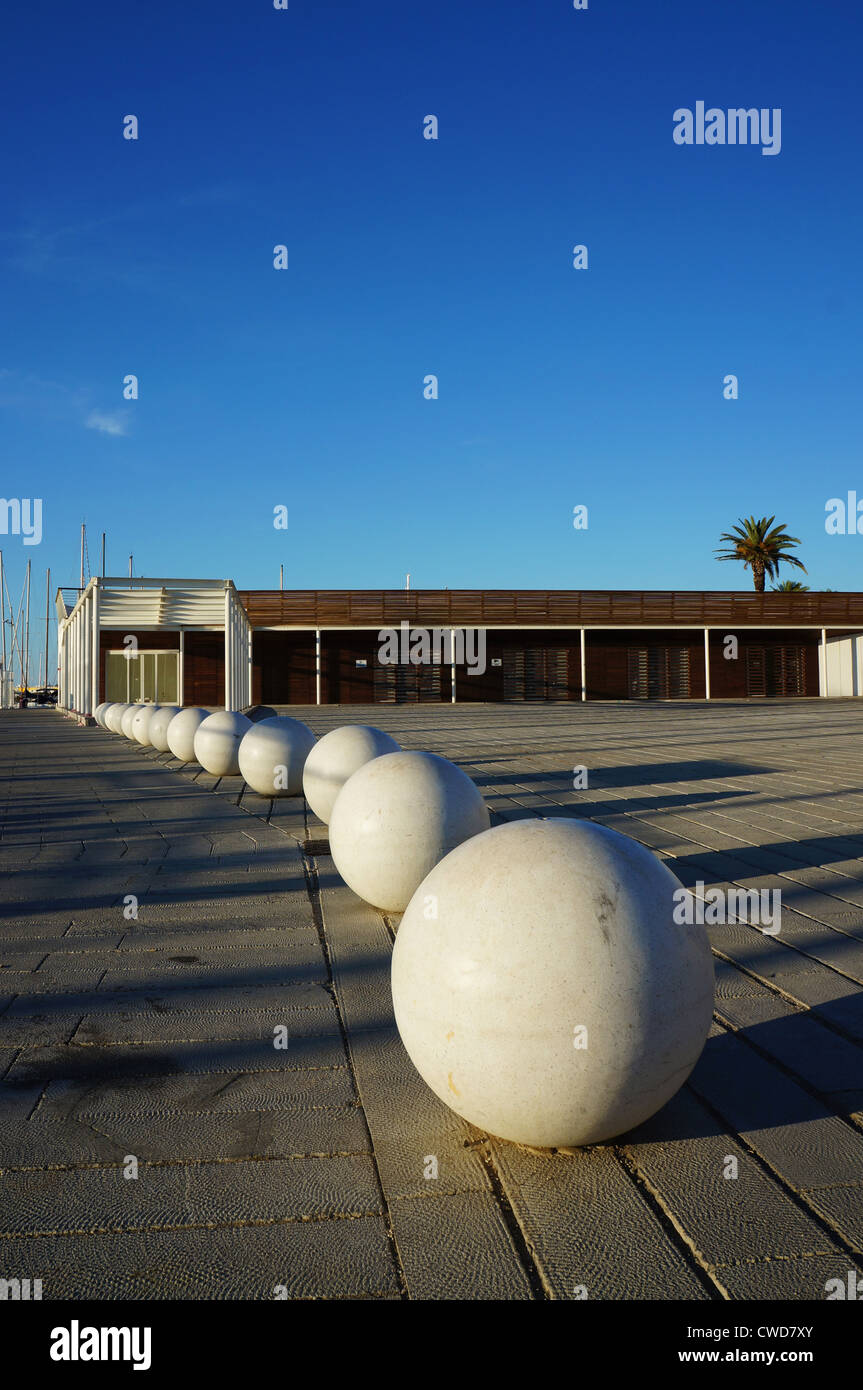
(203, 1094)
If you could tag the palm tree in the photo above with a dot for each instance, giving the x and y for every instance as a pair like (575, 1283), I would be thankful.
(791, 586)
(761, 549)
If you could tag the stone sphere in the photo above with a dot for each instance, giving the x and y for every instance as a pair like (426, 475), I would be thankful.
(158, 726)
(113, 715)
(397, 817)
(259, 712)
(542, 987)
(335, 758)
(99, 713)
(141, 724)
(273, 753)
(182, 730)
(217, 742)
(128, 715)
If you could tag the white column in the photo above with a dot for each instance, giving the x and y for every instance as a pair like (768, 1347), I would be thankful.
(180, 655)
(227, 648)
(707, 663)
(76, 674)
(94, 700)
(452, 664)
(583, 668)
(825, 682)
(317, 665)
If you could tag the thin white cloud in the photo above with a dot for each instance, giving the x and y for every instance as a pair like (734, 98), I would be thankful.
(106, 424)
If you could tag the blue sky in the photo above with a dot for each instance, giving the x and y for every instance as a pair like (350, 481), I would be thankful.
(407, 257)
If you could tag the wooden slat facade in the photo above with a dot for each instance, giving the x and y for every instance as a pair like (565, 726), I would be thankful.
(547, 608)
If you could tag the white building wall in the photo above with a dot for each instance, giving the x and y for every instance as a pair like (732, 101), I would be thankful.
(842, 671)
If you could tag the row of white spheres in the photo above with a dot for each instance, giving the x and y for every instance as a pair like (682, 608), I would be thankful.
(542, 984)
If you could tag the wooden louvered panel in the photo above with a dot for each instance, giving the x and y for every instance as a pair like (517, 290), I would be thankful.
(557, 674)
(625, 608)
(658, 673)
(499, 608)
(431, 610)
(384, 684)
(677, 683)
(564, 606)
(365, 607)
(513, 674)
(756, 671)
(531, 608)
(466, 607)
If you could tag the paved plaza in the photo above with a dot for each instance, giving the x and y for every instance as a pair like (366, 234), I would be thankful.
(160, 927)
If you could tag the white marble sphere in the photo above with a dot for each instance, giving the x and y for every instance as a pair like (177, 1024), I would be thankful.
(335, 758)
(113, 715)
(395, 818)
(158, 726)
(542, 987)
(273, 753)
(217, 742)
(182, 730)
(99, 712)
(129, 714)
(141, 724)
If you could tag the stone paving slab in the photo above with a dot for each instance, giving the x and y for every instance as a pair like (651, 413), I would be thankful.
(310, 1167)
(207, 1093)
(348, 1258)
(65, 1201)
(43, 1141)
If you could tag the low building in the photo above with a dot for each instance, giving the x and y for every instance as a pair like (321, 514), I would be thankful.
(204, 642)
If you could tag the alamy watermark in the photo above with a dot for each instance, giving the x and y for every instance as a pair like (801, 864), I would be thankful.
(421, 646)
(737, 126)
(715, 906)
(22, 516)
(844, 516)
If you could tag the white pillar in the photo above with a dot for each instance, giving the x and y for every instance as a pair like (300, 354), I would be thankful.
(825, 683)
(180, 675)
(317, 665)
(707, 663)
(227, 647)
(94, 699)
(452, 664)
(76, 676)
(583, 668)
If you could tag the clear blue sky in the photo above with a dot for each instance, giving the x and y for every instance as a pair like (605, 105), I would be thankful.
(409, 257)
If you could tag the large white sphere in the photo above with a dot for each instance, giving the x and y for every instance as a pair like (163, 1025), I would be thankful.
(335, 758)
(395, 818)
(217, 742)
(113, 716)
(158, 726)
(182, 730)
(129, 714)
(99, 713)
(542, 987)
(141, 724)
(273, 753)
